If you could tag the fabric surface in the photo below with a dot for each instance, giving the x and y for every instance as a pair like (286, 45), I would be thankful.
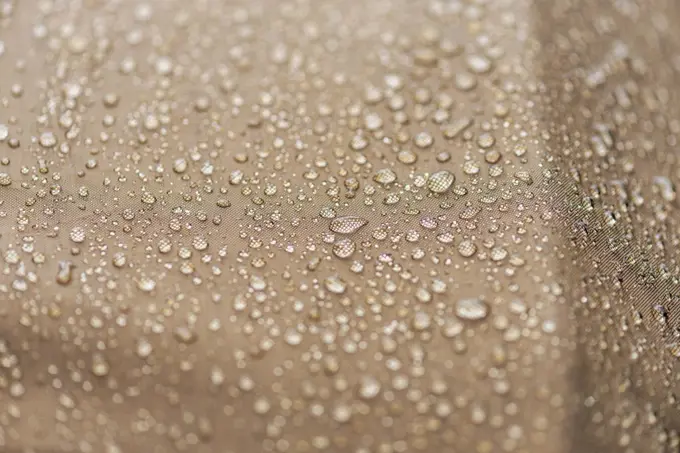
(242, 226)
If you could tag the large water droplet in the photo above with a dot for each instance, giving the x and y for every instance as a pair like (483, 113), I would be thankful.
(440, 181)
(472, 309)
(385, 176)
(347, 224)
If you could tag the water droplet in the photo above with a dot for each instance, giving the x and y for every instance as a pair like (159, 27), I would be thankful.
(369, 388)
(335, 284)
(407, 157)
(144, 348)
(119, 259)
(467, 248)
(423, 140)
(428, 223)
(65, 274)
(261, 406)
(485, 140)
(421, 321)
(472, 309)
(425, 57)
(451, 328)
(665, 188)
(179, 165)
(164, 245)
(77, 235)
(344, 248)
(47, 140)
(455, 128)
(440, 181)
(327, 213)
(347, 224)
(373, 122)
(358, 143)
(200, 243)
(478, 64)
(100, 366)
(146, 284)
(292, 337)
(446, 237)
(385, 176)
(524, 176)
(148, 198)
(498, 254)
(185, 335)
(342, 413)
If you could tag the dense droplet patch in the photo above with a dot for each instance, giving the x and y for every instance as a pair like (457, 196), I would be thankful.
(308, 227)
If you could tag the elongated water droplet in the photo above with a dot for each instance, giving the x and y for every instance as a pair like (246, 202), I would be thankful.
(65, 274)
(347, 224)
(385, 176)
(472, 309)
(100, 366)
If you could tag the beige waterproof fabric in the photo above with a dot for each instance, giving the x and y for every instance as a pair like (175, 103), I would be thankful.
(338, 226)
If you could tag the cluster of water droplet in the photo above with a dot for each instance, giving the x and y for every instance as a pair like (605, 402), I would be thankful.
(310, 225)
